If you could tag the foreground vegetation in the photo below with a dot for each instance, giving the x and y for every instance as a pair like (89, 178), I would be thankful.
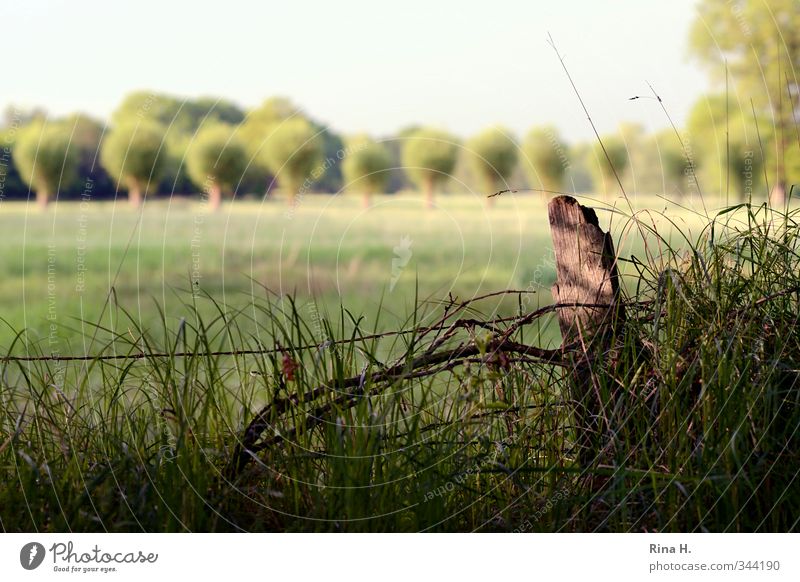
(59, 267)
(459, 422)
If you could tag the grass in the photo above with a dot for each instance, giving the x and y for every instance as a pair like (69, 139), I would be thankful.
(328, 249)
(696, 422)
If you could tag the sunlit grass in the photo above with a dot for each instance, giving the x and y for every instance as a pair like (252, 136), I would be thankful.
(699, 402)
(329, 249)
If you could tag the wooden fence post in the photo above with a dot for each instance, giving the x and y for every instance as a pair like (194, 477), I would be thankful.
(586, 275)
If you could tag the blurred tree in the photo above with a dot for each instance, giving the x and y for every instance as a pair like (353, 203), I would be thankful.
(639, 164)
(139, 105)
(760, 42)
(333, 148)
(174, 176)
(216, 161)
(674, 168)
(181, 119)
(210, 110)
(11, 184)
(261, 121)
(366, 166)
(793, 167)
(398, 179)
(271, 111)
(133, 153)
(292, 153)
(174, 114)
(493, 157)
(429, 156)
(578, 176)
(546, 159)
(725, 141)
(606, 169)
(46, 159)
(87, 133)
(260, 124)
(14, 116)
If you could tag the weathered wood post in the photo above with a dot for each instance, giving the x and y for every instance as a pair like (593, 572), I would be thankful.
(586, 280)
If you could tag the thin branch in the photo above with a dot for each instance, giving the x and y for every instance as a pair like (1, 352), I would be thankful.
(400, 371)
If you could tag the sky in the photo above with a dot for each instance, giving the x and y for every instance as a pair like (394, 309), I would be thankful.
(363, 66)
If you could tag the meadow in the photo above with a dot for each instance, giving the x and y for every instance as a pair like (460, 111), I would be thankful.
(315, 419)
(60, 266)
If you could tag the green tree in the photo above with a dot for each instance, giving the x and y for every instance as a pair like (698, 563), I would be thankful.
(11, 184)
(578, 176)
(760, 43)
(429, 156)
(217, 161)
(366, 166)
(140, 105)
(635, 173)
(46, 159)
(292, 153)
(263, 120)
(793, 166)
(174, 114)
(725, 141)
(674, 167)
(181, 119)
(260, 122)
(214, 110)
(87, 134)
(606, 169)
(493, 157)
(546, 158)
(133, 153)
(14, 116)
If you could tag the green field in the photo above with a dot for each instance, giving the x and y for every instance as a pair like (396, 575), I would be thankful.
(59, 266)
(260, 399)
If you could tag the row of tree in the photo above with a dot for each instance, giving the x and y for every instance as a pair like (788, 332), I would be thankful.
(160, 144)
(744, 141)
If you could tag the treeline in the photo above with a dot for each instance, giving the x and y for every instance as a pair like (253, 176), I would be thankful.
(155, 145)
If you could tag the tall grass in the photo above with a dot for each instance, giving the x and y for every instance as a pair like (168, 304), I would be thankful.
(697, 412)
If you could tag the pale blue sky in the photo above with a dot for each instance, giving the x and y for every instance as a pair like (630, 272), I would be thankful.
(362, 66)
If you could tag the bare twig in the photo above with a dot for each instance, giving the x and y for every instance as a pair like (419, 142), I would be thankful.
(402, 370)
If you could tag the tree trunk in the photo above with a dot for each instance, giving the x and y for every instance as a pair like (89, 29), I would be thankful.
(291, 193)
(134, 194)
(491, 188)
(427, 188)
(42, 198)
(214, 198)
(777, 197)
